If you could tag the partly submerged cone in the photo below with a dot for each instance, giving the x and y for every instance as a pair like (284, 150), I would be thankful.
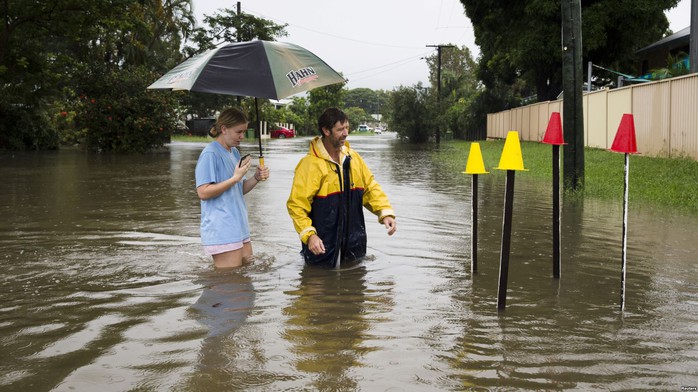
(553, 134)
(625, 137)
(475, 165)
(511, 155)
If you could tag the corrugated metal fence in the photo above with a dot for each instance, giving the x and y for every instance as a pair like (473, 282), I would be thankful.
(665, 112)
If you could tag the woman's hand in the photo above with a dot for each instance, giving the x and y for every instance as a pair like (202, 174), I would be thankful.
(262, 173)
(241, 170)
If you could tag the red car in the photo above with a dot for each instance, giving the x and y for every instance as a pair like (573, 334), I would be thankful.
(282, 133)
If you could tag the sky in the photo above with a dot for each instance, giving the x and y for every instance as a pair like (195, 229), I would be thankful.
(378, 44)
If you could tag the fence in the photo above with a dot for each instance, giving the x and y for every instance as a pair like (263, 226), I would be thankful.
(665, 113)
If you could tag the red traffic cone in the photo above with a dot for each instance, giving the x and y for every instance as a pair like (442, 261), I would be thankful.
(553, 134)
(625, 137)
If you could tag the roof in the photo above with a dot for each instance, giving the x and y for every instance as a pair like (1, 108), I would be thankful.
(680, 38)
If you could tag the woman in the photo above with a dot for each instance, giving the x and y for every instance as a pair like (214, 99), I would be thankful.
(221, 184)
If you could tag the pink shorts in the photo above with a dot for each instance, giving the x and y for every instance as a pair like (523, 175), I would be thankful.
(218, 249)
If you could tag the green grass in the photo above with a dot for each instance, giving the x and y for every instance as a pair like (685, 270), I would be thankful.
(198, 139)
(660, 182)
(191, 139)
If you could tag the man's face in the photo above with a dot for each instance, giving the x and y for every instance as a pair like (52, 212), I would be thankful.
(338, 134)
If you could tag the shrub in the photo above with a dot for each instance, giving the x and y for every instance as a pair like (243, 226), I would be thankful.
(115, 112)
(24, 127)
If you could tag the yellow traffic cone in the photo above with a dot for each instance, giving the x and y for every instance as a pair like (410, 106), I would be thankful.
(475, 164)
(511, 155)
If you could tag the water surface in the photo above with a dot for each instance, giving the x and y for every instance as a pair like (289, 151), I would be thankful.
(105, 285)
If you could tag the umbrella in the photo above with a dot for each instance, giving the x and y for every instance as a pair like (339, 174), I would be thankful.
(259, 69)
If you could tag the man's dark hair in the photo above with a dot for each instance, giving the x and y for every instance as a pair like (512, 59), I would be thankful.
(330, 117)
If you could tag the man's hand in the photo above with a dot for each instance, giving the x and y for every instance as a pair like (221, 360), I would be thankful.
(316, 245)
(390, 224)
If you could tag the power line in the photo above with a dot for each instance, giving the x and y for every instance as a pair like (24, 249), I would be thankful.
(332, 35)
(384, 71)
(408, 59)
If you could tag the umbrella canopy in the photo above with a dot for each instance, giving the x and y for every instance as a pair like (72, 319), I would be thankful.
(260, 69)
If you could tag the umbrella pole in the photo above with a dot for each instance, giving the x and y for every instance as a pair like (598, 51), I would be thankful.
(259, 133)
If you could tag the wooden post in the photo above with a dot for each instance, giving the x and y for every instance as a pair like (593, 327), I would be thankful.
(506, 241)
(475, 166)
(510, 161)
(554, 136)
(473, 245)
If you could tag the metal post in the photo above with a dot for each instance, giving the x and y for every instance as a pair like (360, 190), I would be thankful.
(625, 234)
(589, 77)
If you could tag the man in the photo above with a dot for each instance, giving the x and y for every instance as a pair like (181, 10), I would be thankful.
(330, 186)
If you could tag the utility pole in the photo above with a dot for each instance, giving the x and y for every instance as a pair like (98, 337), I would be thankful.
(693, 49)
(572, 81)
(438, 86)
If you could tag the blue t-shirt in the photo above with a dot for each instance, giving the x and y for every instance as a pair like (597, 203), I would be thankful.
(223, 218)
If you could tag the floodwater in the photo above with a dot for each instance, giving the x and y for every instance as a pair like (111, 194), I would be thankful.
(105, 286)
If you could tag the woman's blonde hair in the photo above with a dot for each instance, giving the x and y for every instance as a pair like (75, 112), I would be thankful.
(229, 117)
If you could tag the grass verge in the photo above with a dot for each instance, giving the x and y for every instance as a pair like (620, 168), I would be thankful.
(662, 182)
(191, 139)
(665, 182)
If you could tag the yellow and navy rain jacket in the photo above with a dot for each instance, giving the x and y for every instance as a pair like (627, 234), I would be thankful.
(327, 199)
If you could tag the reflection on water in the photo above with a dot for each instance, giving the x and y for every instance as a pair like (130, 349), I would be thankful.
(105, 285)
(329, 320)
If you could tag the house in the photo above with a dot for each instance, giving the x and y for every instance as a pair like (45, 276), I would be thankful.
(655, 56)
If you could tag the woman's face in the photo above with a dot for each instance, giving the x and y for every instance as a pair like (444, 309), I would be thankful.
(233, 136)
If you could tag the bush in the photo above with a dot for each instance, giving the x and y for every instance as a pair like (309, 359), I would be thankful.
(26, 128)
(411, 118)
(115, 112)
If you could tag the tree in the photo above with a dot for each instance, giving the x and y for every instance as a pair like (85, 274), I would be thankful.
(411, 117)
(521, 39)
(356, 116)
(47, 48)
(459, 86)
(306, 125)
(363, 98)
(228, 26)
(325, 97)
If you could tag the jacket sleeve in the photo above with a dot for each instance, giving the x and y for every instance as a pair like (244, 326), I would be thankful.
(375, 200)
(306, 182)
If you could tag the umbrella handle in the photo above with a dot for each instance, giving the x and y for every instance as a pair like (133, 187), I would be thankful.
(261, 164)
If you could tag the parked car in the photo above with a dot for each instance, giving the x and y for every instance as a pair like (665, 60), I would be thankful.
(364, 128)
(282, 133)
(378, 130)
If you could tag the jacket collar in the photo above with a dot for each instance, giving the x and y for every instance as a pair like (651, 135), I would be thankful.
(317, 149)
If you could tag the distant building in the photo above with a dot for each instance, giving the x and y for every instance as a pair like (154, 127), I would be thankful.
(655, 55)
(281, 103)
